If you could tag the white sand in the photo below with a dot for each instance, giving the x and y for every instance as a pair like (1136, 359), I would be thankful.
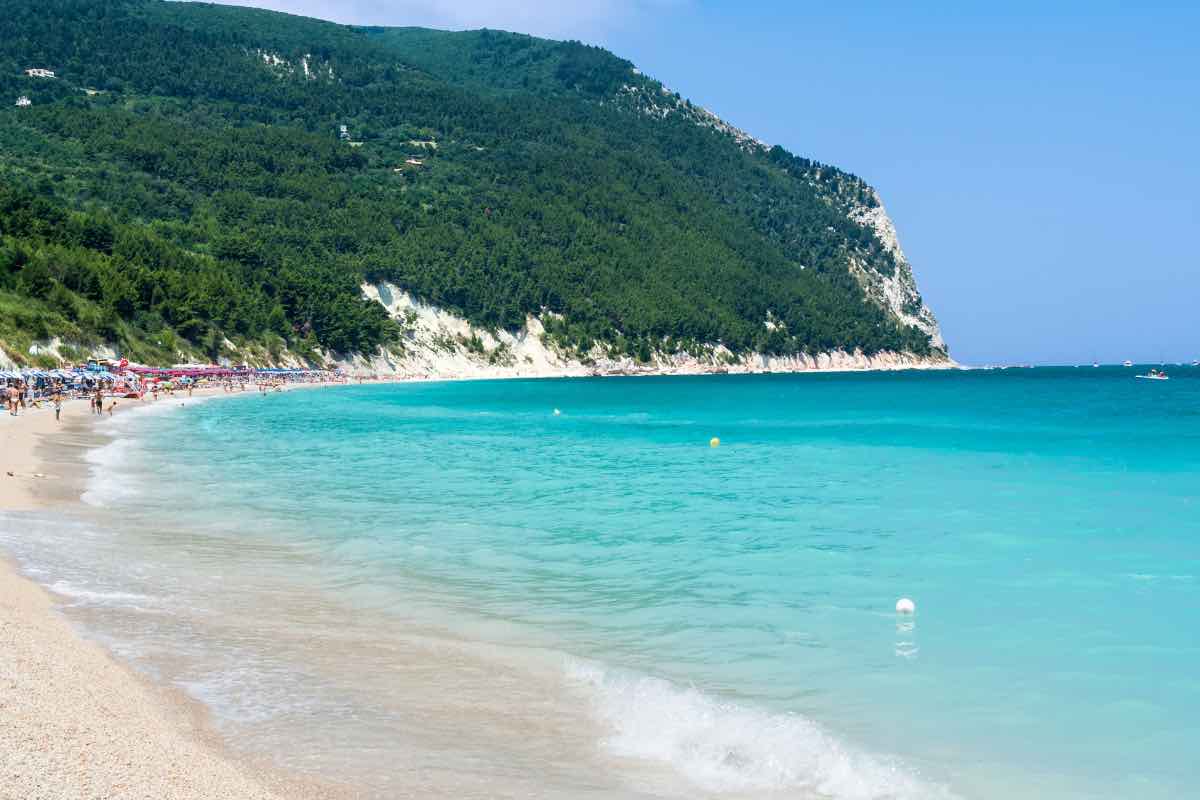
(74, 723)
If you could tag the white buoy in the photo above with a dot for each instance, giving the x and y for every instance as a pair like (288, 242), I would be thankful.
(557, 412)
(905, 606)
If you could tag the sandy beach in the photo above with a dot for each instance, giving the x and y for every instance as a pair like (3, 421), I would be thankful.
(74, 722)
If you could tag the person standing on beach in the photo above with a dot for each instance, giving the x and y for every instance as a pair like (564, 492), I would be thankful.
(12, 396)
(98, 401)
(58, 405)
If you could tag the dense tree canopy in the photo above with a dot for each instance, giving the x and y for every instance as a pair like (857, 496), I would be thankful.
(184, 178)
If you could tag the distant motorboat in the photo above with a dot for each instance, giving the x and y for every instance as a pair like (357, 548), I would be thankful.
(1095, 365)
(1155, 375)
(1128, 363)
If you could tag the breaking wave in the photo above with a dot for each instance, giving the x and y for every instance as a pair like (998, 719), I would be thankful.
(723, 747)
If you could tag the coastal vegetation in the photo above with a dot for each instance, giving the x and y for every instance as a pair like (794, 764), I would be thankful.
(217, 180)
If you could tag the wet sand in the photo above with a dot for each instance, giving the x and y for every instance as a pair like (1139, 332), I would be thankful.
(74, 722)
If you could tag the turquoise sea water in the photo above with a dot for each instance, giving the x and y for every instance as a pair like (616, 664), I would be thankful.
(448, 586)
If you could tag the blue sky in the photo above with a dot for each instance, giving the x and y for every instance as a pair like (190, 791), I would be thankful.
(1042, 165)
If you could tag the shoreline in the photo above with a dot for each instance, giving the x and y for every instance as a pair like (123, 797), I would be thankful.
(87, 724)
(53, 449)
(79, 721)
(162, 739)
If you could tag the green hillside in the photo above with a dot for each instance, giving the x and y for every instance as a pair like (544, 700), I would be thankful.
(183, 185)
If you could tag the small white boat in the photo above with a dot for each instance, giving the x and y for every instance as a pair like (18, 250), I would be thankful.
(1128, 363)
(1155, 376)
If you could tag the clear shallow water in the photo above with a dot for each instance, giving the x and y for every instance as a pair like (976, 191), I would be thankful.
(447, 588)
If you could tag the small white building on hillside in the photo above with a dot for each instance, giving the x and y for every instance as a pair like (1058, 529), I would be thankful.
(24, 102)
(40, 73)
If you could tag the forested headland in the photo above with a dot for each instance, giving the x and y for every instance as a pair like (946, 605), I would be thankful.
(219, 181)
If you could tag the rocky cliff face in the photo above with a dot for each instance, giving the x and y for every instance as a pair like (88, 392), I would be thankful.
(439, 344)
(897, 292)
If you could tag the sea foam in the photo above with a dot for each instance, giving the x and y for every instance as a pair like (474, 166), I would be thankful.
(724, 747)
(99, 597)
(107, 485)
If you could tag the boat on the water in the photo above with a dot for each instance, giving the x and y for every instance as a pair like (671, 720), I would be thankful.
(1128, 363)
(1155, 375)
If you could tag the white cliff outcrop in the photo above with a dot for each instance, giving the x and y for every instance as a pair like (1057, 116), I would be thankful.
(898, 292)
(309, 67)
(440, 344)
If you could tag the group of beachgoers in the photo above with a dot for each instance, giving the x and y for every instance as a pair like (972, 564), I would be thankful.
(19, 395)
(22, 395)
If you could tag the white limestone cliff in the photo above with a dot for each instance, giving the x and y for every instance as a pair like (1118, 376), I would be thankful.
(897, 293)
(440, 344)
